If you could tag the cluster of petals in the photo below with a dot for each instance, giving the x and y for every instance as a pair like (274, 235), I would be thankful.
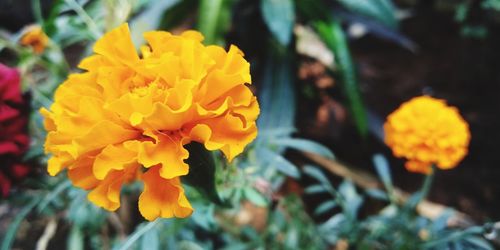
(427, 132)
(128, 117)
(14, 139)
(35, 38)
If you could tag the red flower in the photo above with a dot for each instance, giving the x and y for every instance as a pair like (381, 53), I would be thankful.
(14, 139)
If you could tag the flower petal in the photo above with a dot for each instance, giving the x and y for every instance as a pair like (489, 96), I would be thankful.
(162, 197)
(166, 151)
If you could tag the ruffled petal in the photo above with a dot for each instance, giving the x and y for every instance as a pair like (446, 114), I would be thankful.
(117, 45)
(107, 193)
(162, 197)
(115, 157)
(167, 152)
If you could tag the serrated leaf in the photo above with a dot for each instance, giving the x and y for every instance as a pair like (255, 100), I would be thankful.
(380, 10)
(305, 145)
(325, 207)
(255, 197)
(279, 16)
(202, 172)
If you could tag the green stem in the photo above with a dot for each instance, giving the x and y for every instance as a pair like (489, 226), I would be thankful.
(85, 17)
(427, 184)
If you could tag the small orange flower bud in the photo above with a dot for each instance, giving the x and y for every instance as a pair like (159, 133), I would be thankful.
(35, 38)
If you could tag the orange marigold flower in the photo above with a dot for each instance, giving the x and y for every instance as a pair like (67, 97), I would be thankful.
(426, 131)
(35, 38)
(128, 117)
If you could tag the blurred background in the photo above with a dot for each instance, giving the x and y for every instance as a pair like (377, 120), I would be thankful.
(327, 73)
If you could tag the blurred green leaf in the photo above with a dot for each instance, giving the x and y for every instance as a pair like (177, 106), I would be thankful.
(202, 172)
(316, 174)
(441, 222)
(54, 194)
(334, 37)
(214, 18)
(325, 207)
(279, 16)
(150, 240)
(377, 194)
(255, 197)
(75, 239)
(84, 214)
(304, 145)
(142, 229)
(382, 167)
(10, 235)
(189, 245)
(279, 162)
(380, 10)
(351, 199)
(479, 243)
(315, 189)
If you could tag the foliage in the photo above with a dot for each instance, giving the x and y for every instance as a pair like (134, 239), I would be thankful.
(224, 192)
(396, 226)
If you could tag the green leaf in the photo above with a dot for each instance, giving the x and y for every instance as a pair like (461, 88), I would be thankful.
(255, 197)
(352, 200)
(279, 16)
(382, 167)
(150, 240)
(214, 17)
(377, 194)
(304, 145)
(479, 243)
(138, 233)
(315, 189)
(334, 37)
(52, 195)
(380, 10)
(75, 239)
(202, 172)
(277, 95)
(189, 245)
(325, 207)
(316, 174)
(10, 235)
(279, 162)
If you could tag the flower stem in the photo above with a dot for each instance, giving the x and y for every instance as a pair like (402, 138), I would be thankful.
(427, 183)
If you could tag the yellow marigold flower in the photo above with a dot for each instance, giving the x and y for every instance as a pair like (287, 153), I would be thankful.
(426, 131)
(128, 116)
(35, 38)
